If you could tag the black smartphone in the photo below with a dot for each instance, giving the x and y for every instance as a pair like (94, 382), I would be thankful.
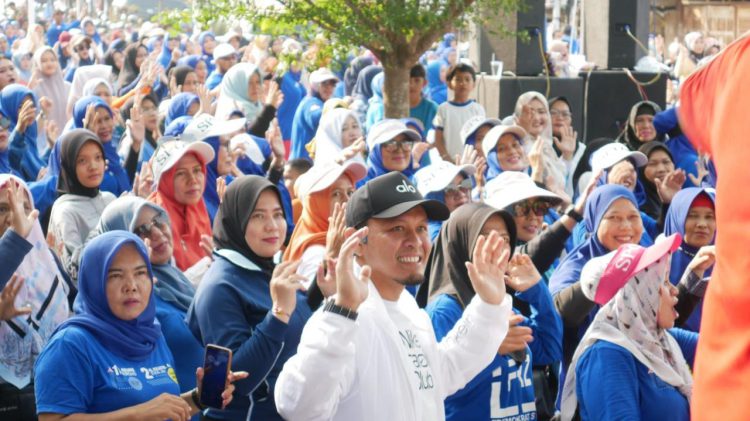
(217, 363)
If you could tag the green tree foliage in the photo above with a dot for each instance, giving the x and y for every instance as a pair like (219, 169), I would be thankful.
(398, 32)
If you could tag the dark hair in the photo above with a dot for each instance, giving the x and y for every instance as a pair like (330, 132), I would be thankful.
(418, 71)
(301, 165)
(463, 68)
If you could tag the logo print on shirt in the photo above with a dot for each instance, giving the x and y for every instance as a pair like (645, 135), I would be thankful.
(405, 187)
(135, 383)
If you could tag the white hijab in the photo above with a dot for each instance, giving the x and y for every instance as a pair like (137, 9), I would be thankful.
(328, 143)
(54, 87)
(42, 280)
(629, 320)
(84, 74)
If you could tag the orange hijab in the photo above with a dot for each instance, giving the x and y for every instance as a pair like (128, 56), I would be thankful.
(188, 222)
(312, 225)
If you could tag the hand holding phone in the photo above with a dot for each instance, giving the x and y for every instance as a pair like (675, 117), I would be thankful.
(217, 365)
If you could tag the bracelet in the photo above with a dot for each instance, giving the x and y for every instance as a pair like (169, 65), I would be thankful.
(571, 212)
(196, 399)
(331, 307)
(278, 311)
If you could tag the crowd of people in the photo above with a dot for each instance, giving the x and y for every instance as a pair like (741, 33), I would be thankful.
(160, 192)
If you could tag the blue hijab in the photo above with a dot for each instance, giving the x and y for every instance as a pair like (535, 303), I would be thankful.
(191, 61)
(116, 179)
(180, 105)
(667, 123)
(569, 270)
(438, 90)
(639, 191)
(5, 167)
(133, 340)
(674, 222)
(376, 168)
(26, 153)
(205, 56)
(210, 195)
(173, 287)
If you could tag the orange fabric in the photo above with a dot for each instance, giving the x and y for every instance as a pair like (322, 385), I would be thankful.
(714, 103)
(188, 223)
(118, 102)
(296, 210)
(312, 225)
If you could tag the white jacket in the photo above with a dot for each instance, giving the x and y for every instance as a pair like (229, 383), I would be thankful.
(347, 370)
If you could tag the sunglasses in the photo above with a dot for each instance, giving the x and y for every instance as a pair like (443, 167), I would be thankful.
(462, 187)
(538, 208)
(394, 145)
(159, 222)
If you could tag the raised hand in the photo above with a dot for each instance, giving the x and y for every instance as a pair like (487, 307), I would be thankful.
(136, 127)
(274, 96)
(19, 221)
(336, 229)
(326, 278)
(536, 160)
(52, 132)
(205, 98)
(704, 259)
(700, 165)
(522, 273)
(285, 282)
(26, 116)
(670, 185)
(174, 89)
(517, 337)
(8, 296)
(469, 156)
(487, 268)
(356, 148)
(419, 149)
(144, 181)
(46, 104)
(221, 188)
(91, 118)
(273, 135)
(351, 290)
(567, 142)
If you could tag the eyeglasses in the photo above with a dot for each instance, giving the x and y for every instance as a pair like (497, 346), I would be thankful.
(536, 111)
(563, 114)
(81, 48)
(159, 221)
(538, 208)
(394, 145)
(4, 123)
(464, 187)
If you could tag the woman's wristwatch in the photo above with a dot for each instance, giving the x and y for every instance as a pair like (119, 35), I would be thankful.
(330, 306)
(573, 213)
(196, 399)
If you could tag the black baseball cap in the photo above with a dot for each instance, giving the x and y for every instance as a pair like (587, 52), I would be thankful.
(388, 196)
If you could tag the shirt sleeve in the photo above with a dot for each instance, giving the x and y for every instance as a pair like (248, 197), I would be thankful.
(546, 348)
(688, 342)
(439, 121)
(607, 384)
(64, 378)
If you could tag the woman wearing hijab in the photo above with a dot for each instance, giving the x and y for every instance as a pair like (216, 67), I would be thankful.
(659, 166)
(630, 364)
(20, 104)
(362, 91)
(112, 359)
(352, 73)
(690, 54)
(207, 43)
(182, 104)
(319, 190)
(134, 56)
(294, 91)
(390, 143)
(46, 290)
(102, 123)
(83, 75)
(115, 57)
(682, 151)
(77, 209)
(263, 311)
(438, 90)
(134, 154)
(450, 291)
(173, 292)
(197, 63)
(241, 91)
(5, 167)
(179, 171)
(502, 147)
(640, 128)
(375, 105)
(692, 214)
(51, 84)
(186, 78)
(22, 63)
(336, 138)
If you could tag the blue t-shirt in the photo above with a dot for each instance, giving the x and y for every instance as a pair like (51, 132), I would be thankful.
(77, 374)
(504, 390)
(611, 384)
(424, 112)
(185, 348)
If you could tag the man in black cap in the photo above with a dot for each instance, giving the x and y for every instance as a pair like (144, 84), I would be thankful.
(370, 353)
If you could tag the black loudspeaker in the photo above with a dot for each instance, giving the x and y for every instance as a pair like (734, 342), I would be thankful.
(519, 57)
(571, 88)
(606, 26)
(610, 96)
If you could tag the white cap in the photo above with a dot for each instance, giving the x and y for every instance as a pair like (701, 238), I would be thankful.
(493, 136)
(386, 130)
(514, 186)
(322, 176)
(249, 146)
(473, 124)
(206, 125)
(610, 154)
(321, 75)
(229, 35)
(224, 50)
(439, 175)
(168, 153)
